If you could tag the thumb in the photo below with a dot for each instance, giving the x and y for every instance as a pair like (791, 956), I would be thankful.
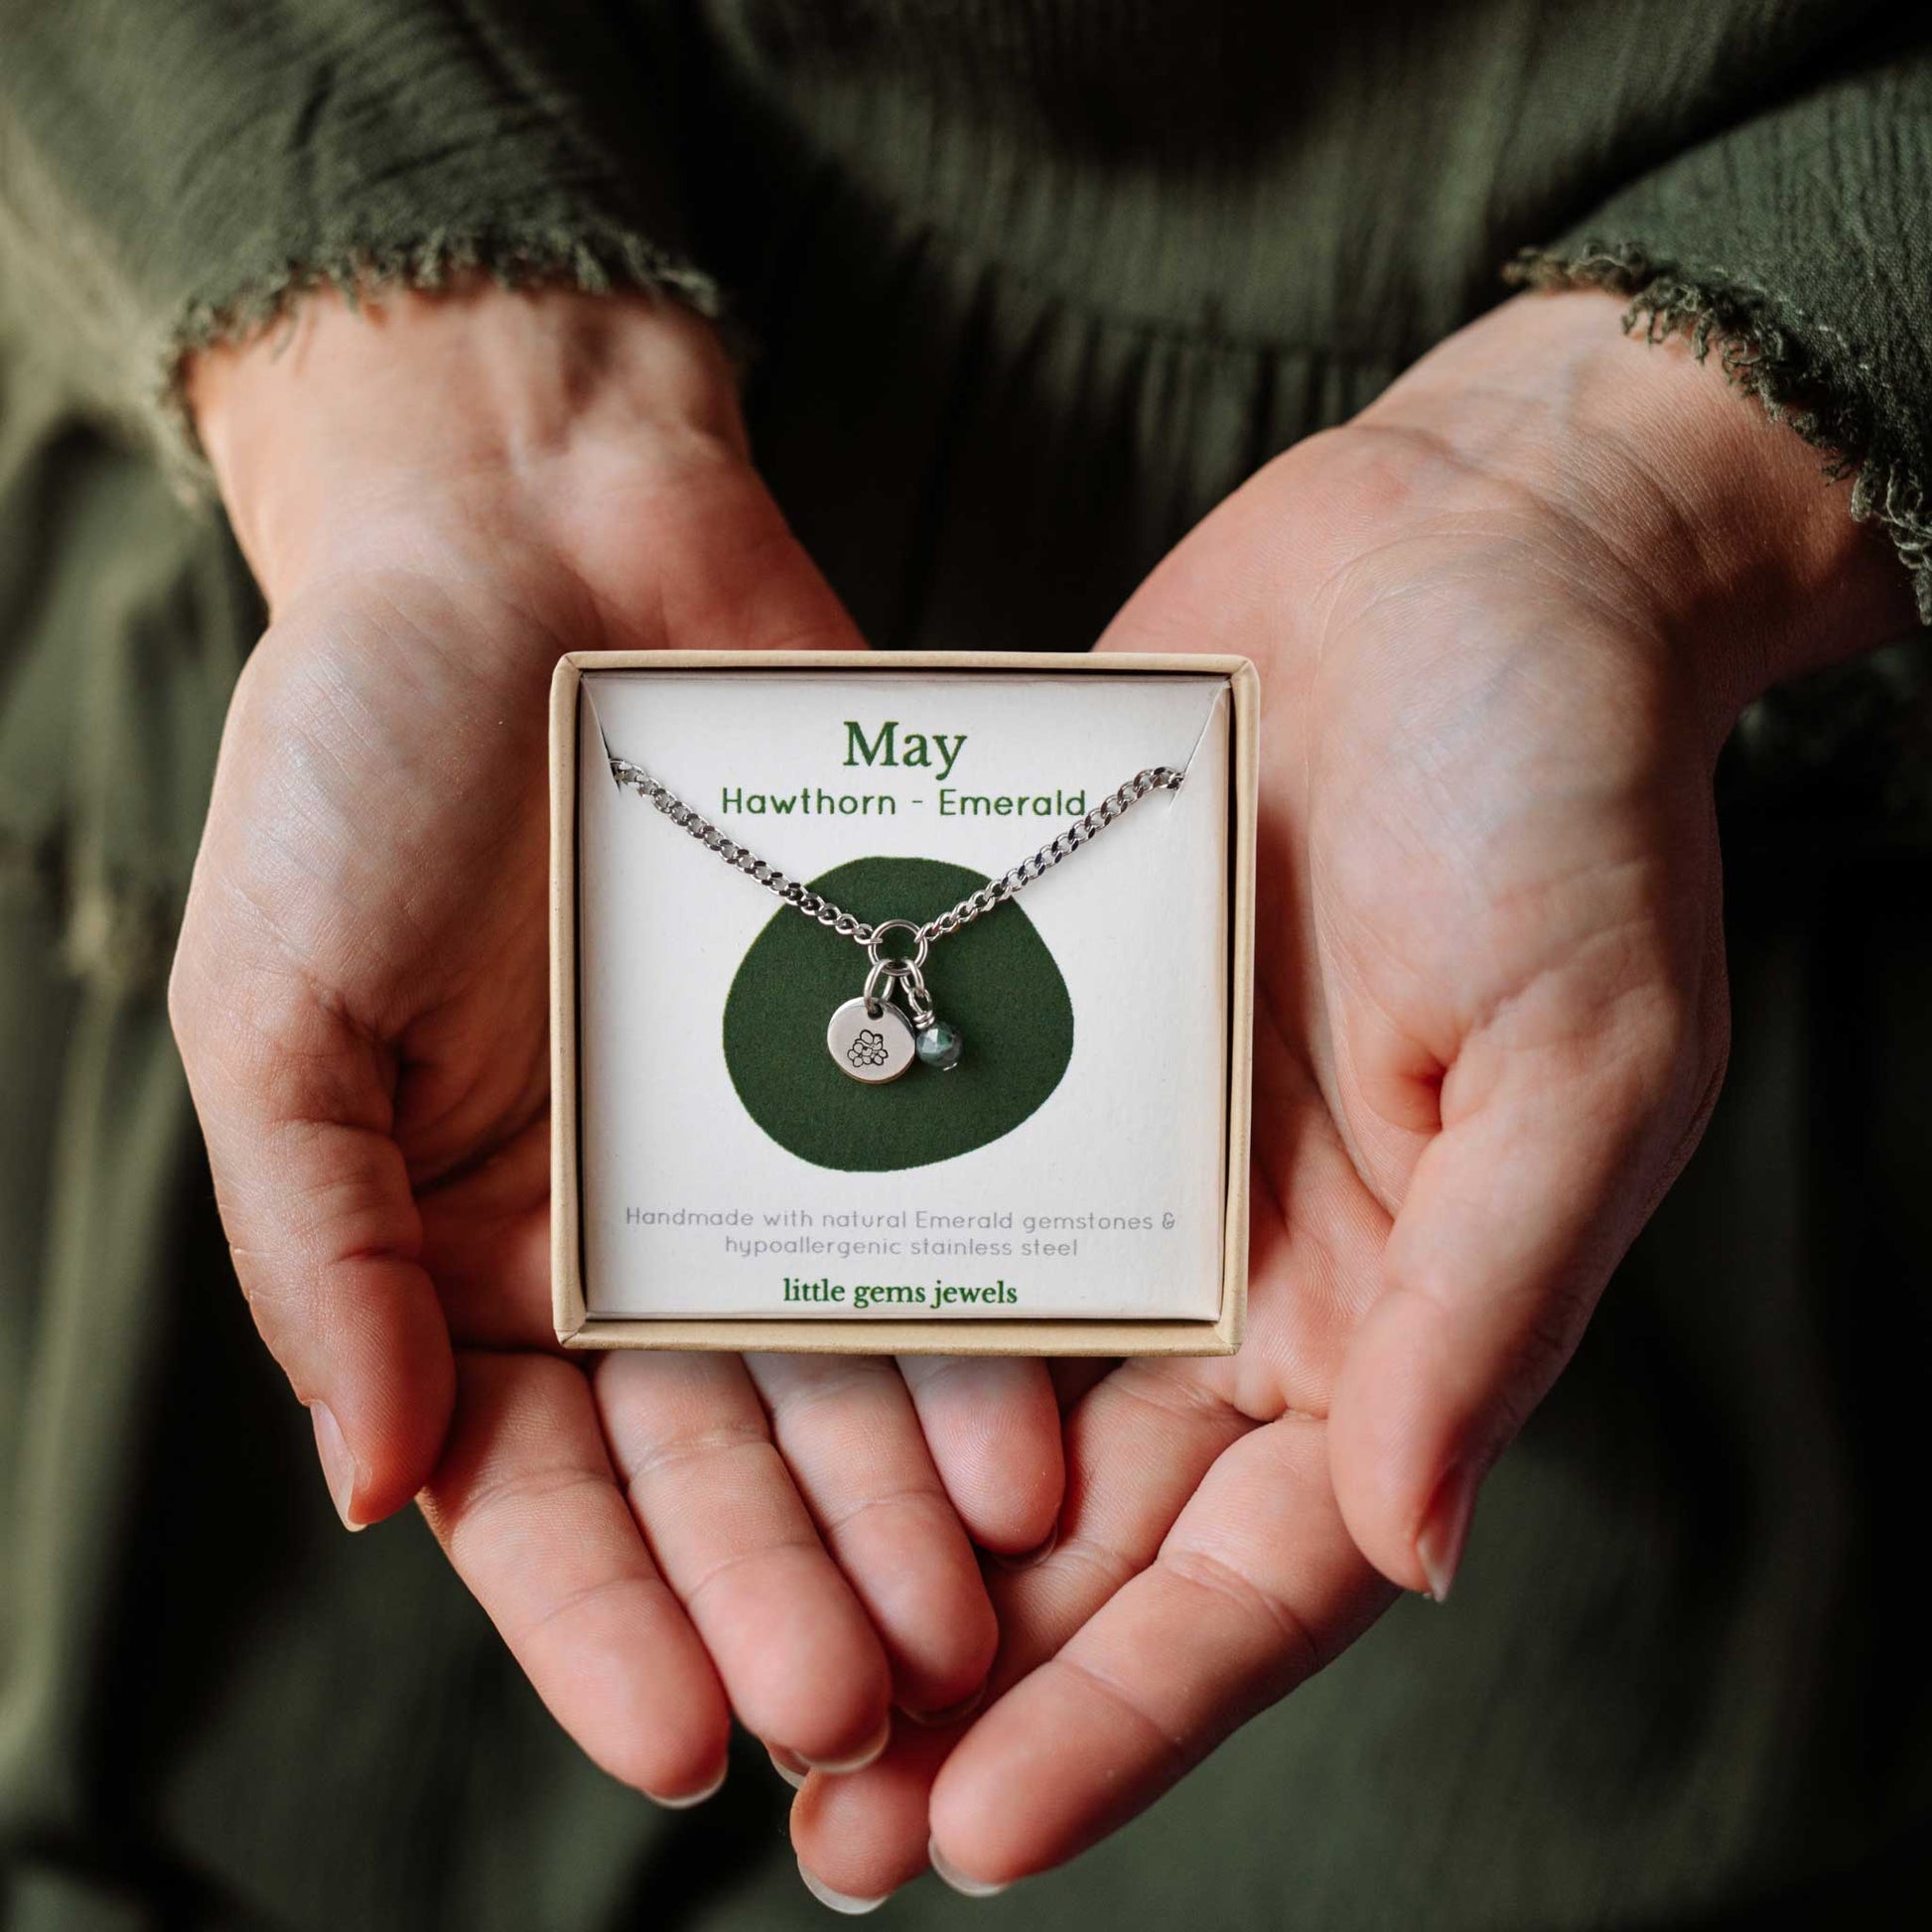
(1550, 1156)
(321, 1219)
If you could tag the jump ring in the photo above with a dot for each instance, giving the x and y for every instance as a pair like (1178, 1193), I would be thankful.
(885, 926)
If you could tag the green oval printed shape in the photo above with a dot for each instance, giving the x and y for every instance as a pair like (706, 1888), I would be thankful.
(995, 981)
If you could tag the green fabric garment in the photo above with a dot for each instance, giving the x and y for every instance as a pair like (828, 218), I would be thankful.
(170, 177)
(1026, 287)
(1797, 241)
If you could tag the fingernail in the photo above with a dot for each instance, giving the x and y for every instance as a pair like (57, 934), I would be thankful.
(839, 1902)
(951, 1715)
(1028, 1558)
(338, 1465)
(711, 1790)
(950, 1875)
(843, 1766)
(1446, 1528)
(794, 1770)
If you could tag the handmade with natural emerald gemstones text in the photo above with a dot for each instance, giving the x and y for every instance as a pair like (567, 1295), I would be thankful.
(874, 1038)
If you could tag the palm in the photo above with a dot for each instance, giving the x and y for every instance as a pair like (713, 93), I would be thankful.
(1490, 979)
(390, 823)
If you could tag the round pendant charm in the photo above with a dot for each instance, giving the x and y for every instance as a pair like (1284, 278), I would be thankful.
(870, 1040)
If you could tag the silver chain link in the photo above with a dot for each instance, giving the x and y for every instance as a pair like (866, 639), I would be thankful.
(815, 906)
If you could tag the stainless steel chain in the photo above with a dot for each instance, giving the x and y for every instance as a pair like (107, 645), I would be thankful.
(815, 906)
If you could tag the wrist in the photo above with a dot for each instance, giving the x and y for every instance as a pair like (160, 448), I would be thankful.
(331, 435)
(1715, 525)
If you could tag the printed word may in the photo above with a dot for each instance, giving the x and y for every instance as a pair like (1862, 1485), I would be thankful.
(915, 748)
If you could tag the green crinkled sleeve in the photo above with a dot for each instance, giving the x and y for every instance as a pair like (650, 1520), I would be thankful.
(1798, 246)
(173, 175)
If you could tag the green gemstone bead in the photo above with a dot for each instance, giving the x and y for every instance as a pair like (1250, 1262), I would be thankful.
(940, 1046)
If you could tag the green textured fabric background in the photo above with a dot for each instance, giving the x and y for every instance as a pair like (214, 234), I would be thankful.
(996, 981)
(1029, 286)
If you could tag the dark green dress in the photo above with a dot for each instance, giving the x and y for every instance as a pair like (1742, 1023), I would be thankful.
(1026, 287)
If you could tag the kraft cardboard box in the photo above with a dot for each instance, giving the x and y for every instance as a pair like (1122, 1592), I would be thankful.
(1078, 1183)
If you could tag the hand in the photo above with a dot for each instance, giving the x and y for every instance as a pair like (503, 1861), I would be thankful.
(1505, 621)
(438, 496)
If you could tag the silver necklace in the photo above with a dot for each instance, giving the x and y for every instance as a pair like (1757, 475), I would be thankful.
(870, 1037)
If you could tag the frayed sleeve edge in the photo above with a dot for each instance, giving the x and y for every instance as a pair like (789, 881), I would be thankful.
(593, 257)
(1765, 350)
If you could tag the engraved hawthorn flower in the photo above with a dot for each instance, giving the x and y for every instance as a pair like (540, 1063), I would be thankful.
(869, 1050)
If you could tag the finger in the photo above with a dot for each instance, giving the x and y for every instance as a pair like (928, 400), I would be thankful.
(863, 1836)
(992, 1424)
(1137, 1446)
(527, 1506)
(846, 1428)
(1256, 1587)
(322, 1226)
(794, 1647)
(1553, 1152)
